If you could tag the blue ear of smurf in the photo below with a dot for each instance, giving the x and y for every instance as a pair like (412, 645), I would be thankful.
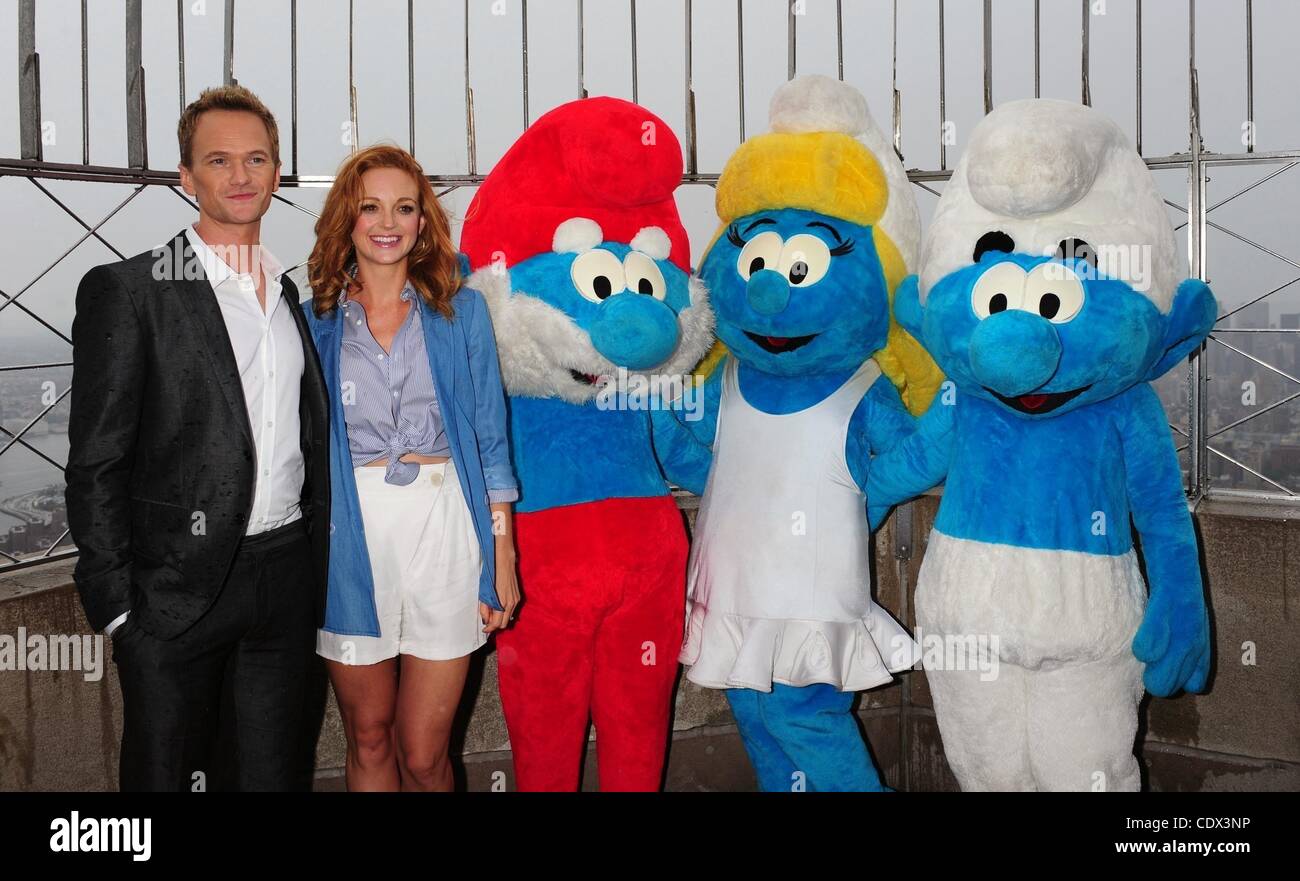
(1189, 322)
(907, 306)
(464, 264)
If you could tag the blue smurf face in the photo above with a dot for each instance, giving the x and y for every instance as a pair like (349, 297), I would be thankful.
(797, 292)
(626, 301)
(1045, 335)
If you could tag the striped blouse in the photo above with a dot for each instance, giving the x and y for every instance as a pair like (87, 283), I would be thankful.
(390, 403)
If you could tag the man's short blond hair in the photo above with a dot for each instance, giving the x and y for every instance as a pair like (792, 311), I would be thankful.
(234, 97)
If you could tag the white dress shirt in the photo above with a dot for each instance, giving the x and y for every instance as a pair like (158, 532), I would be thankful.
(269, 356)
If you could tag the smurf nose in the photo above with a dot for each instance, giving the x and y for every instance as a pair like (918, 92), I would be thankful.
(1014, 352)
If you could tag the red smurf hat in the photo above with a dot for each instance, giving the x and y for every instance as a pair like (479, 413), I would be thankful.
(604, 159)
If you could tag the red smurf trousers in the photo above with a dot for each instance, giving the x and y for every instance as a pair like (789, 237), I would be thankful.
(597, 637)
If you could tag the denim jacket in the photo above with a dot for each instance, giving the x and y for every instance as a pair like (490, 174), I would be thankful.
(467, 377)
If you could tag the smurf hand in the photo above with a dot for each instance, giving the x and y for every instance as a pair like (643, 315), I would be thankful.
(1174, 643)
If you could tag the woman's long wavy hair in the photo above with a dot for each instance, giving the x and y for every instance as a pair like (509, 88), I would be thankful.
(432, 266)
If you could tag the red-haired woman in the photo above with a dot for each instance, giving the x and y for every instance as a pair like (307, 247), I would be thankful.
(422, 563)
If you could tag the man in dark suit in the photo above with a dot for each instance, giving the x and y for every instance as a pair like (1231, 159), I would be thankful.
(197, 479)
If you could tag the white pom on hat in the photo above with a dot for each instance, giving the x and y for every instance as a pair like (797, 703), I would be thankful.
(816, 103)
(577, 234)
(653, 242)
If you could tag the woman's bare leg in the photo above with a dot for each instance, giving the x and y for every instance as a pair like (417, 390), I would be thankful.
(367, 697)
(427, 699)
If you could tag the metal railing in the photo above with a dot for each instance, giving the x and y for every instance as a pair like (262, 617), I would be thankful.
(1195, 438)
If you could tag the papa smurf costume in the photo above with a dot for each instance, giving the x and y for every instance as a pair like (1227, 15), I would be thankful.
(818, 228)
(1049, 294)
(581, 255)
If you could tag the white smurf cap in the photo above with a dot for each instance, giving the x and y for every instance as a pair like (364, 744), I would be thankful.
(1044, 171)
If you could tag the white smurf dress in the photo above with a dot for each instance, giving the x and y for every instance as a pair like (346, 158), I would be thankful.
(779, 585)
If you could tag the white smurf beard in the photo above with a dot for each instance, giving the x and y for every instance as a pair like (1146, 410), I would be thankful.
(538, 345)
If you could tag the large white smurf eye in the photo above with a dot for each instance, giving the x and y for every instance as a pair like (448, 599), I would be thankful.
(643, 276)
(804, 260)
(597, 274)
(1000, 288)
(1054, 291)
(763, 251)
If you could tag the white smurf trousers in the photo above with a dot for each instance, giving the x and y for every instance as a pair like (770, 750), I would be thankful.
(1056, 709)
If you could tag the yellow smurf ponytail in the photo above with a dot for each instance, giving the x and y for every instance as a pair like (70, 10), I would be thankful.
(907, 364)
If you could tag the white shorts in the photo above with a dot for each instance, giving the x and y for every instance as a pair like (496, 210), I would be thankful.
(425, 560)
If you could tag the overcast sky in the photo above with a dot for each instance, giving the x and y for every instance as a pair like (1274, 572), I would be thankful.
(37, 231)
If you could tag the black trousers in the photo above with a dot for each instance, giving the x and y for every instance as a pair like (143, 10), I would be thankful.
(256, 646)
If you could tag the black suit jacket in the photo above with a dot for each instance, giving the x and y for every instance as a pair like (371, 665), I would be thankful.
(161, 462)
